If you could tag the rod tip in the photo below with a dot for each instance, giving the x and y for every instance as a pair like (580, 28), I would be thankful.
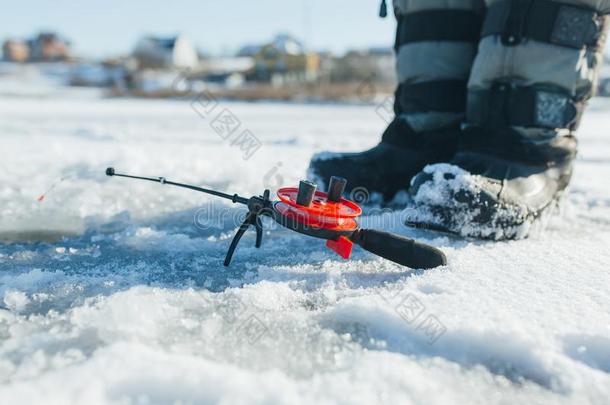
(110, 171)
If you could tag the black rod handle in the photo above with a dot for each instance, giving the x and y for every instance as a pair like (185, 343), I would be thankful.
(399, 249)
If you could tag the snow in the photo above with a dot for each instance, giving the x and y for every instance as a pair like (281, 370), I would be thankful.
(113, 291)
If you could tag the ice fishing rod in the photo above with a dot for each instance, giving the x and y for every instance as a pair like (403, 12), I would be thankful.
(322, 215)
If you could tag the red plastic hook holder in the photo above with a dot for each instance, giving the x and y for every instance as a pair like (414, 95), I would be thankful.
(342, 246)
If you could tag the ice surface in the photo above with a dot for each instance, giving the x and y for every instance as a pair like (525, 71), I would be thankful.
(113, 291)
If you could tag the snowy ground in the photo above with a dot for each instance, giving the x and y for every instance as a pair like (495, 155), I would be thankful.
(113, 291)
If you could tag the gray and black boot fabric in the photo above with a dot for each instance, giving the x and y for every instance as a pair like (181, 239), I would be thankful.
(535, 70)
(435, 47)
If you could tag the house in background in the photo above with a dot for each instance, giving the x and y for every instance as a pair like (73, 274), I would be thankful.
(229, 72)
(375, 64)
(165, 53)
(44, 47)
(15, 50)
(48, 47)
(248, 51)
(284, 61)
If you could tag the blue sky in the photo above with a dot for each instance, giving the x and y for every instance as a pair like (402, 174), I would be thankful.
(104, 28)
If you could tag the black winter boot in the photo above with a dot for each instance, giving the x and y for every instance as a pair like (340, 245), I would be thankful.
(388, 167)
(495, 187)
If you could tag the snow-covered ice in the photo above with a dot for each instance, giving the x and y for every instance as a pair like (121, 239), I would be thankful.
(113, 291)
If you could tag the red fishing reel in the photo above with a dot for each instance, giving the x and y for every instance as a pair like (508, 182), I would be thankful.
(318, 214)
